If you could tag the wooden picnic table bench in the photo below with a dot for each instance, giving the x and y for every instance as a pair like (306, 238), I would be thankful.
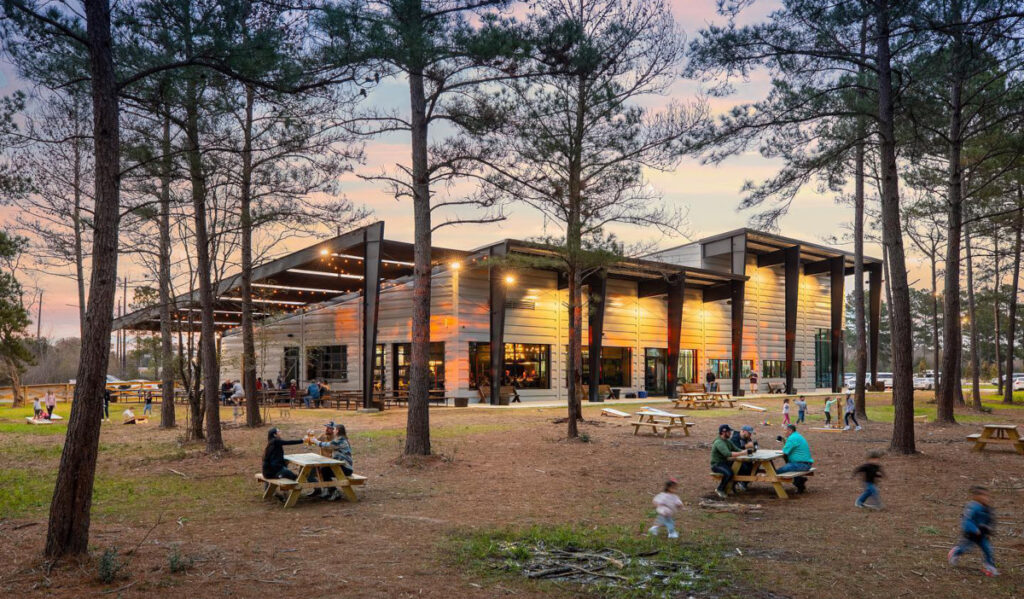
(998, 434)
(693, 400)
(763, 471)
(721, 398)
(308, 463)
(655, 419)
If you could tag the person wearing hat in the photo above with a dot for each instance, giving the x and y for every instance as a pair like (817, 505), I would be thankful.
(274, 465)
(341, 451)
(744, 439)
(722, 453)
(798, 456)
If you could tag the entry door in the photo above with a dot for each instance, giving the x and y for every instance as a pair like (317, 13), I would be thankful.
(655, 369)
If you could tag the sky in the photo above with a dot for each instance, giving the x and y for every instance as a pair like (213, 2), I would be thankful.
(709, 195)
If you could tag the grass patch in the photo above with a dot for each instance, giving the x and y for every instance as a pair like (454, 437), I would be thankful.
(640, 566)
(28, 493)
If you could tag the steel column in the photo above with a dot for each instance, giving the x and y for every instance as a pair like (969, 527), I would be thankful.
(837, 280)
(792, 267)
(737, 334)
(676, 290)
(373, 236)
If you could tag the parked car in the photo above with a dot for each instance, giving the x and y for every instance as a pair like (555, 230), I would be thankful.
(886, 378)
(925, 383)
(1018, 384)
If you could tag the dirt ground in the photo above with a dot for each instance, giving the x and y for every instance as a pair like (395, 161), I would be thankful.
(499, 469)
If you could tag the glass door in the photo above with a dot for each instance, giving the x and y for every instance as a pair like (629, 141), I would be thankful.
(655, 370)
(823, 359)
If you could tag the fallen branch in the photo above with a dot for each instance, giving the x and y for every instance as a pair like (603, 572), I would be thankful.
(112, 591)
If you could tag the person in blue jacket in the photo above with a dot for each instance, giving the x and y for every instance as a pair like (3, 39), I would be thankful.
(976, 527)
(798, 456)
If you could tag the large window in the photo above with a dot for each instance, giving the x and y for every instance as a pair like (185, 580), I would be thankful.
(403, 359)
(290, 364)
(525, 366)
(687, 366)
(378, 367)
(771, 369)
(722, 369)
(616, 366)
(328, 362)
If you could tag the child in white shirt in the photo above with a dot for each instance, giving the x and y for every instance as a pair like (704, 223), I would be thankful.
(666, 503)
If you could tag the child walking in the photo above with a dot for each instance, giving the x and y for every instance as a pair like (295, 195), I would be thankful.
(976, 527)
(870, 471)
(849, 414)
(666, 503)
(801, 409)
(785, 412)
(828, 410)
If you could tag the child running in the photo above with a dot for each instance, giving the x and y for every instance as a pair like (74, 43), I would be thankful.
(785, 412)
(666, 503)
(870, 471)
(976, 527)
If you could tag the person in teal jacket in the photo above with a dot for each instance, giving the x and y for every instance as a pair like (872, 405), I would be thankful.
(798, 456)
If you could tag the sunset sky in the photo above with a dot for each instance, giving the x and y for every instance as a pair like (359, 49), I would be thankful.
(710, 194)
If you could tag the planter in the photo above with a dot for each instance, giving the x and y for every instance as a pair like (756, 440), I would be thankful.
(461, 402)
(503, 401)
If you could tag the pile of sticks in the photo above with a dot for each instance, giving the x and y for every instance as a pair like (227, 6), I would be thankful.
(606, 566)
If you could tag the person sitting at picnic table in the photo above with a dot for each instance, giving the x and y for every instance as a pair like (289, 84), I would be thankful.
(225, 391)
(325, 390)
(128, 416)
(51, 404)
(722, 453)
(712, 384)
(259, 383)
(341, 451)
(798, 456)
(312, 394)
(274, 465)
(744, 439)
(237, 397)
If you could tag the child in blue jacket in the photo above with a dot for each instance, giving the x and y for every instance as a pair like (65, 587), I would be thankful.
(976, 527)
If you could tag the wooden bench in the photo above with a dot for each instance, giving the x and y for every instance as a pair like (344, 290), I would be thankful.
(693, 388)
(792, 475)
(287, 484)
(776, 388)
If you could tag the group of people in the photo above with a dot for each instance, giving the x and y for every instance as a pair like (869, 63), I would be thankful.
(334, 438)
(976, 525)
(43, 408)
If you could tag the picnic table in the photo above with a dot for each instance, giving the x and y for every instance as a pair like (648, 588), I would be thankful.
(1000, 434)
(693, 400)
(655, 419)
(763, 471)
(308, 463)
(721, 398)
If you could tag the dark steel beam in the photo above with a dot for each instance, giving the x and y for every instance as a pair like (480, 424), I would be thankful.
(676, 287)
(597, 297)
(792, 275)
(874, 316)
(737, 334)
(717, 293)
(651, 288)
(821, 266)
(838, 278)
(773, 258)
(373, 237)
(498, 293)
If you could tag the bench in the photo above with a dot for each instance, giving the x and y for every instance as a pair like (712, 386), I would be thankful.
(287, 484)
(792, 475)
(776, 388)
(693, 388)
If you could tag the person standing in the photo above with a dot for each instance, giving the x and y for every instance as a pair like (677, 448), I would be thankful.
(37, 409)
(666, 504)
(106, 405)
(849, 414)
(785, 411)
(753, 382)
(51, 404)
(975, 528)
(870, 472)
(148, 407)
(831, 401)
(801, 409)
(712, 385)
(722, 453)
(798, 456)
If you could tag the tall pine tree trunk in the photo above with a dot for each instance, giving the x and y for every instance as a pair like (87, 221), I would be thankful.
(79, 226)
(252, 412)
(995, 308)
(417, 427)
(1011, 326)
(861, 356)
(71, 505)
(166, 353)
(935, 319)
(208, 336)
(892, 236)
(575, 351)
(975, 358)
